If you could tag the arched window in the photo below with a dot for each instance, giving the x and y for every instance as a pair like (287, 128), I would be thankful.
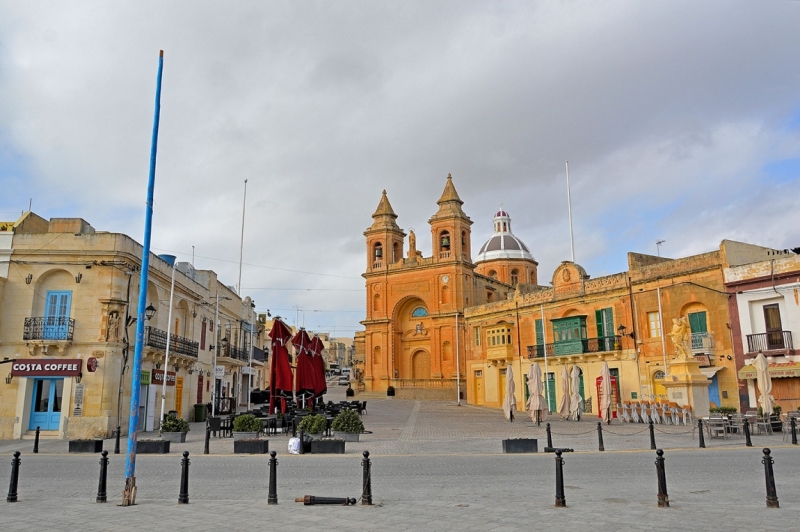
(514, 277)
(445, 294)
(419, 312)
(463, 239)
(658, 376)
(395, 252)
(444, 241)
(533, 277)
(378, 251)
(493, 274)
(447, 351)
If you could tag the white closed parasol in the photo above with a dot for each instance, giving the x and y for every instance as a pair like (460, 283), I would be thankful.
(576, 402)
(537, 407)
(605, 392)
(510, 400)
(563, 404)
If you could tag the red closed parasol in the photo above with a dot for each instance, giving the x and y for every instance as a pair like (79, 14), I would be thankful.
(320, 385)
(304, 370)
(280, 368)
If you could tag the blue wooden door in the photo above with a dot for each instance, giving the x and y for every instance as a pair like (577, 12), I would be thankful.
(46, 404)
(713, 391)
(56, 315)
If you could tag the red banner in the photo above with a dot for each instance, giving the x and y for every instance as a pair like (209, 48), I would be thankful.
(49, 367)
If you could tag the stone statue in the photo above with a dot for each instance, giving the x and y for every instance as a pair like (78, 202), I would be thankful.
(412, 244)
(113, 327)
(680, 337)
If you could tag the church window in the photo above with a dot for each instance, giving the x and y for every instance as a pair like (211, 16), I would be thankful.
(533, 278)
(376, 303)
(514, 277)
(493, 274)
(447, 351)
(446, 295)
(395, 252)
(419, 312)
(477, 335)
(444, 241)
(378, 251)
(463, 239)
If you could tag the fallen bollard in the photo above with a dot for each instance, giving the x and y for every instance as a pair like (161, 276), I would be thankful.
(652, 436)
(663, 498)
(272, 496)
(600, 446)
(549, 438)
(183, 496)
(561, 501)
(102, 495)
(772, 494)
(208, 438)
(12, 486)
(311, 500)
(366, 483)
(116, 442)
(700, 437)
(36, 441)
(747, 441)
(562, 449)
(793, 424)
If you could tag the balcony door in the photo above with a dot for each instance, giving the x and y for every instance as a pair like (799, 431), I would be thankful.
(604, 318)
(56, 315)
(699, 326)
(772, 321)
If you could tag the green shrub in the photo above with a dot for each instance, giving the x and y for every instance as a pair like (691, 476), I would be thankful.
(174, 424)
(315, 424)
(348, 421)
(247, 423)
(776, 410)
(723, 410)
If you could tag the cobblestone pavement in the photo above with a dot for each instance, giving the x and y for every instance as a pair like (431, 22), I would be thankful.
(435, 467)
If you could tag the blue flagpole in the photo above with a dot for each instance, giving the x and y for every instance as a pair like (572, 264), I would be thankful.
(129, 494)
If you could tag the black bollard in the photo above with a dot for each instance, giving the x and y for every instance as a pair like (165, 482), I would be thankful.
(116, 442)
(102, 495)
(272, 497)
(208, 438)
(772, 494)
(700, 434)
(366, 481)
(36, 442)
(549, 436)
(652, 436)
(600, 446)
(663, 498)
(311, 500)
(12, 486)
(183, 497)
(747, 441)
(561, 501)
(793, 423)
(302, 449)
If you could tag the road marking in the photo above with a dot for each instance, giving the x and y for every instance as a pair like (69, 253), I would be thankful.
(408, 430)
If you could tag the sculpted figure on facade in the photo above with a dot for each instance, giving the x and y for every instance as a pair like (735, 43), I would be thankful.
(412, 245)
(680, 337)
(113, 327)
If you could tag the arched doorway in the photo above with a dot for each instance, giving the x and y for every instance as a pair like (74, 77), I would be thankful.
(421, 365)
(659, 390)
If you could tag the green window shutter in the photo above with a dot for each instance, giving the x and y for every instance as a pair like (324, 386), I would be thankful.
(697, 322)
(609, 321)
(598, 318)
(539, 333)
(551, 391)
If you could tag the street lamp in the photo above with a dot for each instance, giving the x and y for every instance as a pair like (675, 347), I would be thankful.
(622, 330)
(149, 312)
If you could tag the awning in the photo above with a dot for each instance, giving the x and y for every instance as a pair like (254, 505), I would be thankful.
(710, 371)
(776, 371)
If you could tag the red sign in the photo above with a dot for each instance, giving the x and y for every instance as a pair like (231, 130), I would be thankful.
(91, 364)
(158, 377)
(48, 367)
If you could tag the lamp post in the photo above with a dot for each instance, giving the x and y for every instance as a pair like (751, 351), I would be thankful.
(166, 351)
(216, 353)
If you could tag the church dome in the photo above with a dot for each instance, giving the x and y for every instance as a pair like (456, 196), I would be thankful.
(503, 244)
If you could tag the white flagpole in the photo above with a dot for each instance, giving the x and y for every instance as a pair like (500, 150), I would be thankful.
(166, 354)
(569, 210)
(544, 349)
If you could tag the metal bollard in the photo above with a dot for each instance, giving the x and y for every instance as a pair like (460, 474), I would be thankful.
(549, 436)
(36, 442)
(12, 486)
(747, 441)
(183, 497)
(600, 446)
(272, 497)
(302, 442)
(663, 498)
(208, 438)
(116, 442)
(700, 434)
(652, 435)
(311, 500)
(793, 423)
(772, 494)
(561, 501)
(366, 482)
(102, 495)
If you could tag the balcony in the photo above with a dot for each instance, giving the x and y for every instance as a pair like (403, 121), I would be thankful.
(236, 353)
(501, 352)
(48, 328)
(377, 264)
(771, 341)
(603, 344)
(156, 338)
(702, 343)
(444, 254)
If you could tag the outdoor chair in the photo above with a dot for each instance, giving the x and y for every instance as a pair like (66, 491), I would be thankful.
(675, 413)
(717, 427)
(626, 412)
(654, 413)
(363, 407)
(635, 412)
(645, 417)
(736, 424)
(686, 412)
(215, 424)
(663, 408)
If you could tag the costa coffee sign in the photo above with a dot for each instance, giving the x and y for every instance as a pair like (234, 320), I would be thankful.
(46, 368)
(158, 377)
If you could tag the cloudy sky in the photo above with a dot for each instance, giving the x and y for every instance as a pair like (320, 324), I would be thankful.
(681, 122)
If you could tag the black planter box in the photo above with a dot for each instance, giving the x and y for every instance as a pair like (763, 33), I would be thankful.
(251, 447)
(327, 447)
(85, 446)
(349, 393)
(390, 392)
(152, 447)
(521, 445)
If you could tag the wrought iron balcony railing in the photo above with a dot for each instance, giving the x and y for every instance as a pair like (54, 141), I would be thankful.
(48, 328)
(178, 344)
(771, 341)
(576, 347)
(237, 353)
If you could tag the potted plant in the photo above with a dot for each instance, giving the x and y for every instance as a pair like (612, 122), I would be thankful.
(85, 446)
(246, 427)
(775, 419)
(390, 391)
(152, 446)
(251, 446)
(174, 428)
(313, 425)
(327, 446)
(347, 425)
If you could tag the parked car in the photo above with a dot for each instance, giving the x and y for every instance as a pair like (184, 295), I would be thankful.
(344, 381)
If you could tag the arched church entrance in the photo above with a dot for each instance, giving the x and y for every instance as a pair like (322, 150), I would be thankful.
(421, 365)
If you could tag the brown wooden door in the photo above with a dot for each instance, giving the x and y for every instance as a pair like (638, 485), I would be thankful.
(772, 321)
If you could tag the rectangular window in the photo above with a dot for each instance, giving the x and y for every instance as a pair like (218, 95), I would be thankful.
(203, 335)
(477, 336)
(655, 324)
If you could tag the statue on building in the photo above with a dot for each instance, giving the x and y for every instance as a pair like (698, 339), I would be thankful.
(113, 327)
(412, 245)
(680, 337)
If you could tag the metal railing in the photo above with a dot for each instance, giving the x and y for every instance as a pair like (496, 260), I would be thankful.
(444, 254)
(771, 341)
(178, 344)
(702, 342)
(48, 328)
(576, 347)
(237, 353)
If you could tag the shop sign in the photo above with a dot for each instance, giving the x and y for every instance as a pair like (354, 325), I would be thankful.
(144, 377)
(158, 377)
(46, 368)
(248, 371)
(219, 372)
(77, 410)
